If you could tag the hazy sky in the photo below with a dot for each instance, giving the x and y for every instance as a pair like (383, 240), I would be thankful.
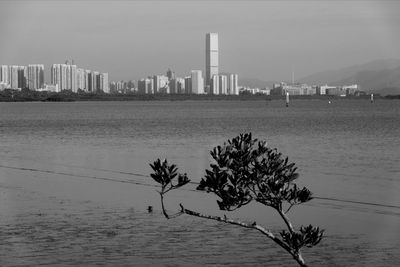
(260, 39)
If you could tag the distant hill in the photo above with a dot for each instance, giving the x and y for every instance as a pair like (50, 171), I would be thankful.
(385, 81)
(334, 76)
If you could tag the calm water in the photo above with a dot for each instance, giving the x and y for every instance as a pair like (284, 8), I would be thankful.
(71, 175)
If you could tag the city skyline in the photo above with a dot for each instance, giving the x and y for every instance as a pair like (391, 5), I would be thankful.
(260, 39)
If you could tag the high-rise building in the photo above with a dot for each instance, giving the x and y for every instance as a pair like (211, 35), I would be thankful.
(35, 76)
(65, 76)
(214, 89)
(72, 77)
(170, 74)
(80, 79)
(197, 82)
(211, 56)
(95, 80)
(22, 77)
(188, 85)
(180, 85)
(13, 76)
(88, 81)
(223, 85)
(146, 86)
(173, 86)
(104, 83)
(4, 74)
(160, 84)
(233, 88)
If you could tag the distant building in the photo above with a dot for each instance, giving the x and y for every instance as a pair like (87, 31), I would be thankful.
(4, 74)
(212, 54)
(351, 89)
(233, 88)
(80, 79)
(223, 85)
(160, 84)
(35, 76)
(188, 85)
(214, 89)
(22, 77)
(13, 76)
(337, 90)
(146, 86)
(197, 82)
(51, 88)
(65, 76)
(173, 86)
(170, 74)
(104, 87)
(87, 80)
(180, 85)
(3, 86)
(293, 89)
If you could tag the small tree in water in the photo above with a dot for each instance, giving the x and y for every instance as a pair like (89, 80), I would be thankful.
(246, 170)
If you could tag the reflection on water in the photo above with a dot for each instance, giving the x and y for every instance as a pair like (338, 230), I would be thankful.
(61, 202)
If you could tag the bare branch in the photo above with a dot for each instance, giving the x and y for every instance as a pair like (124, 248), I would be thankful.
(286, 220)
(295, 254)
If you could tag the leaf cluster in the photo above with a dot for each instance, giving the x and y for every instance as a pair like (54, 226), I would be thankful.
(308, 236)
(246, 169)
(165, 175)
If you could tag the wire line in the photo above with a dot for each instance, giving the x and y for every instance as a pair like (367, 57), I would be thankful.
(184, 189)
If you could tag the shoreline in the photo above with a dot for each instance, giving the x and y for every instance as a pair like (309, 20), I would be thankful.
(66, 96)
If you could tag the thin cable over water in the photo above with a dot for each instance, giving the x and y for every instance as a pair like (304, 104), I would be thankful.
(184, 189)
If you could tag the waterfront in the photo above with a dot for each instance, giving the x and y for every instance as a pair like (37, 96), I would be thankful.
(61, 202)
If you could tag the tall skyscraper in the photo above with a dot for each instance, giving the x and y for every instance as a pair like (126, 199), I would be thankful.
(197, 82)
(211, 57)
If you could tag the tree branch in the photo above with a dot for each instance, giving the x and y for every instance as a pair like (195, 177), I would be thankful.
(286, 220)
(295, 254)
(162, 206)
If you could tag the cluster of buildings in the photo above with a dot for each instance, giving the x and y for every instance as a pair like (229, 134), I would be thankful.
(68, 76)
(304, 89)
(18, 77)
(62, 77)
(214, 82)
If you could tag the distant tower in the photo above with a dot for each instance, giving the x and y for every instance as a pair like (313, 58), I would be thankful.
(211, 56)
(170, 74)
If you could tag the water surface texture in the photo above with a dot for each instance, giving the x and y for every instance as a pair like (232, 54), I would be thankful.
(74, 187)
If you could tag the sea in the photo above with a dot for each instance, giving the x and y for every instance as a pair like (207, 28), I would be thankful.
(75, 185)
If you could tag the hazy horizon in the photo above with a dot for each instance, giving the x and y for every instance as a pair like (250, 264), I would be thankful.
(257, 39)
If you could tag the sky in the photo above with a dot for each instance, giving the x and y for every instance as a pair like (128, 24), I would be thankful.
(257, 39)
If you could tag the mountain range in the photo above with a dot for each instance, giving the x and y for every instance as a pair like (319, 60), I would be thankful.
(379, 76)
